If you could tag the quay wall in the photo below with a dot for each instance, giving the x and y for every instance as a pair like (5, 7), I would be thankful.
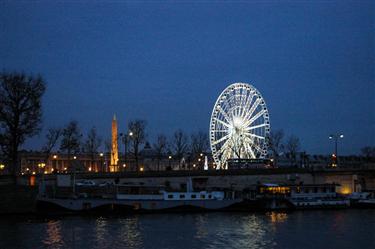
(20, 197)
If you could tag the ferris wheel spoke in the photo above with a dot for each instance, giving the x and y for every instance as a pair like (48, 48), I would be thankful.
(254, 135)
(221, 110)
(221, 139)
(220, 130)
(222, 122)
(247, 104)
(243, 103)
(254, 127)
(255, 117)
(224, 147)
(253, 108)
(256, 147)
(250, 151)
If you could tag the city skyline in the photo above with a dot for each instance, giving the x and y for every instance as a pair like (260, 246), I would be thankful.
(312, 62)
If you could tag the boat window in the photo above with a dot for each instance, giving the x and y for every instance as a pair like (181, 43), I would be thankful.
(170, 196)
(182, 196)
(193, 196)
(306, 190)
(209, 196)
(315, 190)
(203, 196)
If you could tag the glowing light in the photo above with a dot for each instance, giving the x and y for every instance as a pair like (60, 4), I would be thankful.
(41, 165)
(345, 190)
(170, 157)
(141, 169)
(278, 217)
(101, 154)
(90, 169)
(2, 166)
(130, 133)
(194, 165)
(54, 156)
(201, 154)
(64, 168)
(124, 165)
(74, 157)
(33, 173)
(199, 159)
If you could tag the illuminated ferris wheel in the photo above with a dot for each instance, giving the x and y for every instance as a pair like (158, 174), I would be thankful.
(239, 125)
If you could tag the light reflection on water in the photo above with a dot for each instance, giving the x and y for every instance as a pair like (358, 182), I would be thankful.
(316, 229)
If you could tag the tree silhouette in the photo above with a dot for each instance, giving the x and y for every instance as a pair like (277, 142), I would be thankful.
(71, 139)
(138, 128)
(180, 144)
(52, 137)
(276, 144)
(92, 144)
(20, 113)
(292, 146)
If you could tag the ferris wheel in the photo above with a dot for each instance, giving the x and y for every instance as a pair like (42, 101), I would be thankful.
(239, 126)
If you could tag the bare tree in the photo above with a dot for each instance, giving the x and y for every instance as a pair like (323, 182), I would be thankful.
(52, 137)
(276, 144)
(92, 144)
(180, 144)
(71, 139)
(292, 147)
(138, 128)
(199, 142)
(20, 113)
(160, 148)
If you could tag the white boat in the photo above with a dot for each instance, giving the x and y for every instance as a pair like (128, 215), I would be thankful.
(143, 198)
(316, 196)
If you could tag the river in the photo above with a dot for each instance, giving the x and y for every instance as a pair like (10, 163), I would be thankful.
(299, 229)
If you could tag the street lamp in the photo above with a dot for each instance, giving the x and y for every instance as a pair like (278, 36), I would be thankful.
(169, 162)
(101, 160)
(336, 137)
(125, 138)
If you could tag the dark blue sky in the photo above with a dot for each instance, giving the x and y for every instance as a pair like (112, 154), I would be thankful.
(313, 62)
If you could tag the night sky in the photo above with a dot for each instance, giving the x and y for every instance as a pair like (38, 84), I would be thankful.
(166, 62)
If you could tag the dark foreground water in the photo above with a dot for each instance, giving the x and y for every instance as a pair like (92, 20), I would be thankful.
(302, 229)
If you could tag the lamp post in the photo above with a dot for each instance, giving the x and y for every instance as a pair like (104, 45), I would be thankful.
(101, 161)
(125, 137)
(169, 162)
(41, 167)
(336, 137)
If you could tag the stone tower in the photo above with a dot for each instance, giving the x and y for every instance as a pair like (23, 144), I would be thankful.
(114, 151)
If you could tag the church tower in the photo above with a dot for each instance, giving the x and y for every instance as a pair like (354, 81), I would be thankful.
(114, 151)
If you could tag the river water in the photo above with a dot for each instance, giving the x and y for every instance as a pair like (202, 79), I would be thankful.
(299, 229)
